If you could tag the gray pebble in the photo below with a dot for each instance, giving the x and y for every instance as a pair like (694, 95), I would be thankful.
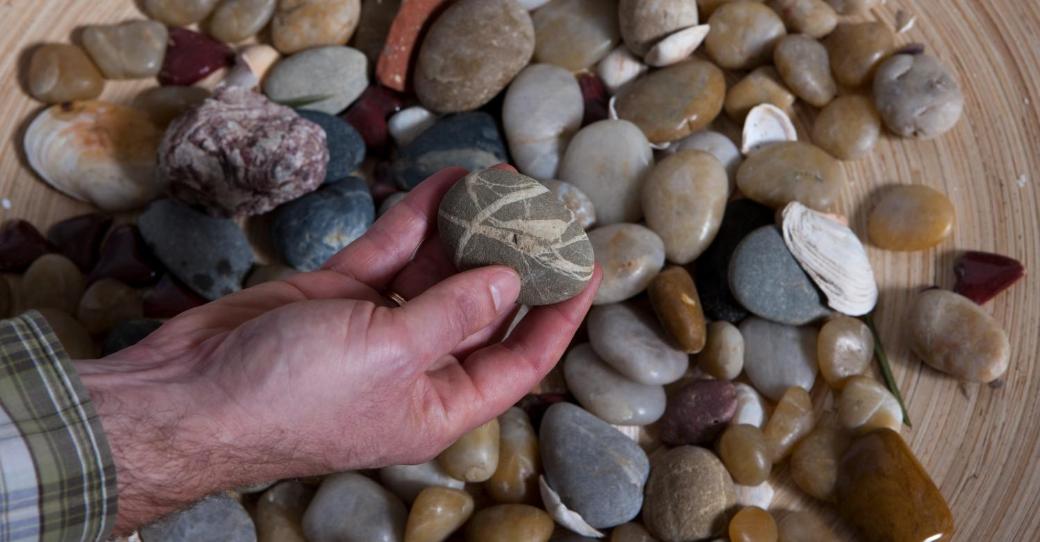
(350, 507)
(326, 79)
(217, 518)
(308, 231)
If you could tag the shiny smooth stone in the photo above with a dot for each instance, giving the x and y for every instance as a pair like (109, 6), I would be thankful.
(106, 303)
(918, 96)
(575, 200)
(879, 477)
(130, 50)
(237, 20)
(163, 104)
(608, 394)
(766, 278)
(79, 238)
(630, 340)
(575, 34)
(407, 481)
(698, 412)
(719, 146)
(753, 524)
(191, 56)
(405, 125)
(126, 334)
(792, 171)
(744, 451)
(326, 79)
(761, 86)
(350, 507)
(743, 34)
(983, 275)
(688, 495)
(169, 297)
(510, 523)
(957, 337)
(436, 513)
(778, 356)
(125, 257)
(752, 408)
(519, 464)
(597, 100)
(60, 73)
(52, 281)
(672, 103)
(279, 512)
(805, 67)
(308, 231)
(608, 160)
(178, 12)
(644, 23)
(471, 52)
(467, 140)
(303, 24)
(856, 50)
(268, 273)
(605, 488)
(815, 18)
(217, 518)
(684, 197)
(848, 128)
(542, 110)
(630, 532)
(844, 348)
(630, 256)
(346, 147)
(805, 527)
(814, 461)
(674, 298)
(20, 245)
(474, 457)
(791, 421)
(910, 217)
(723, 354)
(71, 334)
(369, 116)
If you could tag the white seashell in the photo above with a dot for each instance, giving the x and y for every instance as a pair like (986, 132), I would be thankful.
(619, 67)
(760, 495)
(766, 124)
(563, 515)
(720, 147)
(251, 66)
(833, 257)
(751, 406)
(96, 152)
(904, 21)
(677, 46)
(408, 123)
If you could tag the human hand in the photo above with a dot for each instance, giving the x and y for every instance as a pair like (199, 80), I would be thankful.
(320, 373)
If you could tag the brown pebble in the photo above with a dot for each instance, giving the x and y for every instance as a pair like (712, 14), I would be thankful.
(805, 67)
(106, 303)
(54, 282)
(954, 335)
(688, 495)
(743, 34)
(745, 453)
(792, 171)
(814, 461)
(673, 102)
(844, 348)
(761, 86)
(804, 527)
(678, 307)
(848, 128)
(73, 336)
(856, 49)
(814, 18)
(510, 523)
(752, 524)
(59, 73)
(302, 24)
(791, 421)
(910, 217)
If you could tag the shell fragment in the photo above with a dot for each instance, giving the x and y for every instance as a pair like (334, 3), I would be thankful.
(677, 46)
(563, 515)
(619, 67)
(766, 124)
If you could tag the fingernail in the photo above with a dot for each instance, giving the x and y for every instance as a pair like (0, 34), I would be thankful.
(505, 288)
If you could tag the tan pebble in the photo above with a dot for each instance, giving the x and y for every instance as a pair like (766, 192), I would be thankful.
(575, 34)
(761, 86)
(791, 421)
(684, 197)
(645, 22)
(745, 453)
(865, 404)
(630, 532)
(814, 18)
(688, 495)
(752, 524)
(436, 513)
(856, 49)
(815, 460)
(279, 512)
(804, 527)
(954, 335)
(179, 12)
(792, 171)
(844, 348)
(673, 102)
(805, 67)
(474, 457)
(516, 478)
(854, 7)
(673, 295)
(302, 24)
(63, 73)
(510, 523)
(848, 128)
(54, 282)
(723, 354)
(743, 34)
(909, 218)
(73, 336)
(130, 50)
(238, 20)
(108, 302)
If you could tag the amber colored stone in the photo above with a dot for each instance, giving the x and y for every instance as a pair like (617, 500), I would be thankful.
(20, 245)
(60, 72)
(79, 238)
(743, 34)
(744, 451)
(594, 94)
(510, 523)
(752, 524)
(814, 18)
(71, 334)
(983, 275)
(474, 457)
(106, 303)
(848, 128)
(865, 404)
(791, 421)
(957, 337)
(191, 56)
(436, 513)
(393, 68)
(762, 86)
(279, 512)
(54, 282)
(630, 532)
(169, 298)
(516, 477)
(856, 49)
(368, 116)
(125, 257)
(575, 34)
(844, 348)
(792, 171)
(678, 307)
(910, 217)
(885, 492)
(673, 102)
(814, 461)
(805, 527)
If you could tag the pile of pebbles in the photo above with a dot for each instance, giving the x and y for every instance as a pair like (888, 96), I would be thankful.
(651, 137)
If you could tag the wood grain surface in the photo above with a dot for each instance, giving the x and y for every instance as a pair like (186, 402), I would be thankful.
(980, 443)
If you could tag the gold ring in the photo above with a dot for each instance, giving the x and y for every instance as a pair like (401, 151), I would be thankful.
(396, 298)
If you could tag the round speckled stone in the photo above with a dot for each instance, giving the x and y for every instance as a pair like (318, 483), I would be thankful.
(346, 148)
(308, 231)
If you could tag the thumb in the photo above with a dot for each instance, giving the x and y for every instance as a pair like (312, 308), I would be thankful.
(457, 307)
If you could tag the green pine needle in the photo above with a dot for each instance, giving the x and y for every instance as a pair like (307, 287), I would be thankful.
(886, 369)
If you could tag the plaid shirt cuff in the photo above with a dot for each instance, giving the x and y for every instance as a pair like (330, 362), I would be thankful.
(57, 480)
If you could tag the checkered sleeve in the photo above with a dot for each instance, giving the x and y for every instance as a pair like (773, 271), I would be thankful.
(57, 480)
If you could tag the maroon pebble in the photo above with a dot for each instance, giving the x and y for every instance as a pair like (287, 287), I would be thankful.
(983, 275)
(169, 298)
(594, 93)
(698, 412)
(20, 244)
(369, 113)
(79, 238)
(191, 56)
(125, 257)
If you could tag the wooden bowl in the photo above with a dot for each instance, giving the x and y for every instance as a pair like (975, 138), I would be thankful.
(980, 443)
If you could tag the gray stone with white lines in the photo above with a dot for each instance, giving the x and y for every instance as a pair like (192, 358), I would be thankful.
(501, 217)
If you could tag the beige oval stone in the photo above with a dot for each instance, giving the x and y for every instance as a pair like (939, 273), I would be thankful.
(575, 34)
(510, 523)
(108, 302)
(954, 335)
(844, 348)
(848, 128)
(474, 457)
(910, 217)
(791, 421)
(805, 67)
(814, 18)
(792, 171)
(71, 334)
(630, 256)
(673, 102)
(723, 354)
(52, 282)
(59, 73)
(645, 22)
(516, 478)
(865, 405)
(815, 460)
(178, 12)
(238, 20)
(745, 452)
(743, 34)
(856, 50)
(130, 50)
(472, 51)
(761, 86)
(302, 24)
(684, 198)
(436, 513)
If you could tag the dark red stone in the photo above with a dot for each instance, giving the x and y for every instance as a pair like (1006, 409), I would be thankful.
(369, 113)
(20, 244)
(535, 405)
(191, 56)
(594, 92)
(698, 412)
(125, 257)
(169, 298)
(983, 275)
(79, 238)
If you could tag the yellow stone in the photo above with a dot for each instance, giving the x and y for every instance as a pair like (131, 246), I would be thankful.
(752, 524)
(510, 523)
(59, 72)
(474, 457)
(910, 217)
(516, 478)
(436, 513)
(791, 421)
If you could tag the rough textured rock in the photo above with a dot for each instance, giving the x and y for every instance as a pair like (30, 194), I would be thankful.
(218, 518)
(688, 495)
(467, 140)
(240, 154)
(308, 231)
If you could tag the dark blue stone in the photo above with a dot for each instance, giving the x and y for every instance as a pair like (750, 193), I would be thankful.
(210, 255)
(310, 230)
(467, 140)
(128, 333)
(346, 148)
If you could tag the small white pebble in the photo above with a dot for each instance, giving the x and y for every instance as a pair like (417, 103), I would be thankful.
(766, 124)
(760, 495)
(6, 203)
(408, 123)
(619, 67)
(751, 407)
(1021, 181)
(904, 21)
(677, 46)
